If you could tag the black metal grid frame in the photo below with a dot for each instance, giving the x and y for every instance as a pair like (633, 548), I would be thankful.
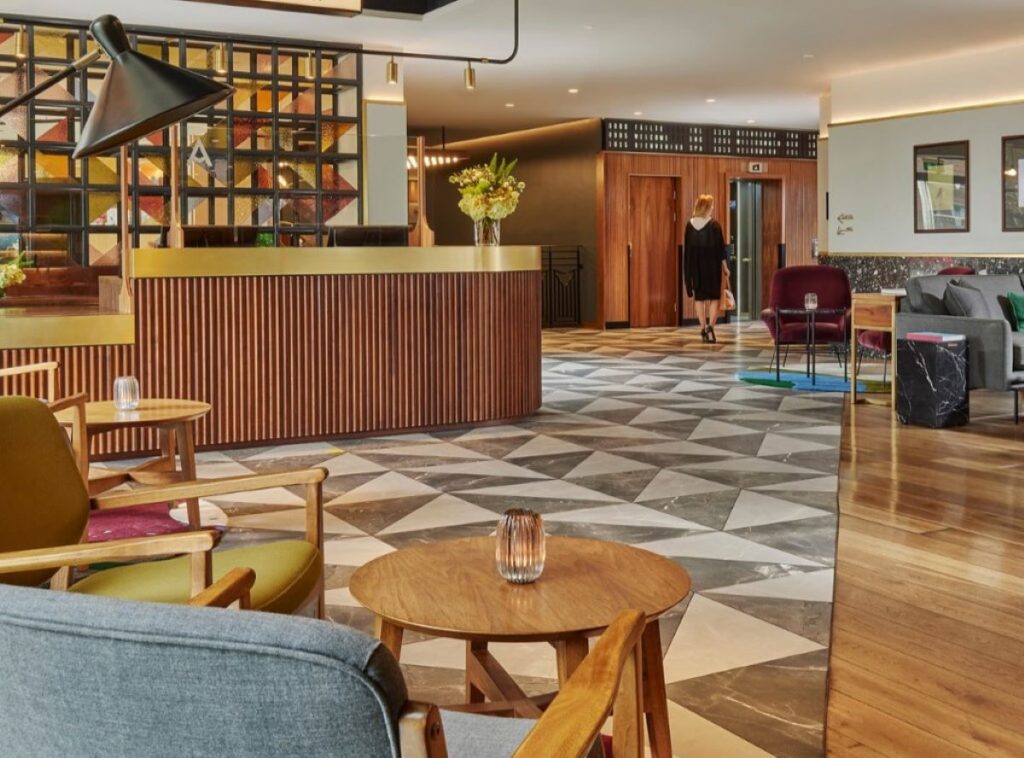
(174, 47)
(633, 136)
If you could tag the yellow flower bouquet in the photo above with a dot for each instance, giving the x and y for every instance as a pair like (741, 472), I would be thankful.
(11, 272)
(489, 193)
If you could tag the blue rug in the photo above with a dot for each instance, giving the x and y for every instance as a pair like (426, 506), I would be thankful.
(798, 380)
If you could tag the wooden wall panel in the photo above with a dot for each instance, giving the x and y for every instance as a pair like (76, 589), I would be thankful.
(301, 357)
(697, 174)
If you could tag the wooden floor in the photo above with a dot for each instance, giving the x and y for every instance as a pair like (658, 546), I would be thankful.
(928, 631)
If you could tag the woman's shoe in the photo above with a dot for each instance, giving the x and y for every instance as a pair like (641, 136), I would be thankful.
(711, 334)
(704, 335)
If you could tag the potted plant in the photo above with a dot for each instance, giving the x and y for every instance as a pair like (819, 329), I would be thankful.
(489, 193)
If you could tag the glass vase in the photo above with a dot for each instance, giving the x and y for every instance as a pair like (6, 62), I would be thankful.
(126, 393)
(520, 551)
(487, 232)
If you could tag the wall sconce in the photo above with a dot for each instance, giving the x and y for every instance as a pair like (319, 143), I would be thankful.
(470, 76)
(220, 54)
(21, 44)
(392, 71)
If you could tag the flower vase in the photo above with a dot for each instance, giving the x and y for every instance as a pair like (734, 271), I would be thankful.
(487, 232)
(520, 550)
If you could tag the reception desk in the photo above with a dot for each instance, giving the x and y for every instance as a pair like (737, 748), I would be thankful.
(290, 344)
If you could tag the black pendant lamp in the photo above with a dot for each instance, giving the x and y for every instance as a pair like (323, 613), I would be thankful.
(139, 94)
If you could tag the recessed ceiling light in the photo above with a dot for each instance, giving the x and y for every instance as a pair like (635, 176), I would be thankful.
(751, 121)
(588, 28)
(808, 56)
(510, 105)
(710, 100)
(638, 113)
(573, 91)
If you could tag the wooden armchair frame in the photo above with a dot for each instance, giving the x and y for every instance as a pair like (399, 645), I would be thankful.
(50, 368)
(609, 681)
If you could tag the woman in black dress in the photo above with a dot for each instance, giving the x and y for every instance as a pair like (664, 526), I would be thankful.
(704, 264)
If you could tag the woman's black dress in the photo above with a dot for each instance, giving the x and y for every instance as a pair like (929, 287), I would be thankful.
(703, 255)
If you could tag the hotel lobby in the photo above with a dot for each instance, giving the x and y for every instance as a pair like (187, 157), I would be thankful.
(491, 378)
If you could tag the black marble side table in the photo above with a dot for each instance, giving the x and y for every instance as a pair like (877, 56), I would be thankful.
(932, 388)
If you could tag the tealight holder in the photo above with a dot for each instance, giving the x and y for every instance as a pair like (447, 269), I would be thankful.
(520, 549)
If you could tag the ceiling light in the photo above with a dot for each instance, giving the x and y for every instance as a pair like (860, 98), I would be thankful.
(808, 56)
(638, 113)
(751, 121)
(1010, 172)
(573, 91)
(711, 100)
(510, 105)
(470, 76)
(392, 71)
(21, 44)
(220, 54)
(588, 28)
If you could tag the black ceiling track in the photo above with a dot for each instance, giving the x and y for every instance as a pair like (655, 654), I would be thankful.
(631, 136)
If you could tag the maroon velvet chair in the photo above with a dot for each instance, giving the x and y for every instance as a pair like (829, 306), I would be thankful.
(957, 271)
(789, 285)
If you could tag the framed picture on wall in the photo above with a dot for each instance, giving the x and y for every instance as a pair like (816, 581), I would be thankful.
(1013, 191)
(941, 187)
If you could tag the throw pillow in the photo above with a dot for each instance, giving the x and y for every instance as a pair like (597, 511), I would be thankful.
(967, 301)
(1017, 309)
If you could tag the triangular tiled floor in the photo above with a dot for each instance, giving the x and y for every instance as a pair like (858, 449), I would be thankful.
(645, 437)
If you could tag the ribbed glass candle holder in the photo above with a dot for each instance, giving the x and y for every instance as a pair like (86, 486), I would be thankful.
(520, 551)
(126, 393)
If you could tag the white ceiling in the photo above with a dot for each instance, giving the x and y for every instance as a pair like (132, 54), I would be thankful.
(661, 57)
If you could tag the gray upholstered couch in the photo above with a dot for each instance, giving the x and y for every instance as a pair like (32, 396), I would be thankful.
(90, 676)
(996, 352)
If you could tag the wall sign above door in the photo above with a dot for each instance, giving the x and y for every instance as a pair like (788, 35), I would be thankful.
(330, 7)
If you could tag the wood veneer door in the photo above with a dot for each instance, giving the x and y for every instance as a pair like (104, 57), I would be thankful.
(771, 234)
(654, 257)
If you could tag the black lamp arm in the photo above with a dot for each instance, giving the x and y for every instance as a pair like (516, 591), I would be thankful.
(64, 73)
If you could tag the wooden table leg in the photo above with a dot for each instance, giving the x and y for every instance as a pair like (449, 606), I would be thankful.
(187, 450)
(390, 635)
(473, 693)
(570, 654)
(655, 696)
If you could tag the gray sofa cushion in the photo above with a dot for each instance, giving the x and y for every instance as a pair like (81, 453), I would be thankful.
(969, 302)
(994, 288)
(89, 676)
(925, 294)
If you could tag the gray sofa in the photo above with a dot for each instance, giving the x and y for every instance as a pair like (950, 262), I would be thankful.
(90, 676)
(996, 352)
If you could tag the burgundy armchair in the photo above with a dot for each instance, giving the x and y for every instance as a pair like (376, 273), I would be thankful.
(789, 285)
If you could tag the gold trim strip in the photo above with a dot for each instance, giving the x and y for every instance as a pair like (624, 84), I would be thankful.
(20, 328)
(824, 254)
(932, 112)
(156, 263)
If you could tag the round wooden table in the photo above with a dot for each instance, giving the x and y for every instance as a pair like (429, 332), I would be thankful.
(452, 589)
(174, 421)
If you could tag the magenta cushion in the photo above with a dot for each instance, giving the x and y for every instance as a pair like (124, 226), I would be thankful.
(137, 521)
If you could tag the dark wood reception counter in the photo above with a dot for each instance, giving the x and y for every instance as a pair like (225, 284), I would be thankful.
(294, 344)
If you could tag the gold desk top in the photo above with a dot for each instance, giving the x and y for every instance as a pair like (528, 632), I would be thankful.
(162, 263)
(44, 327)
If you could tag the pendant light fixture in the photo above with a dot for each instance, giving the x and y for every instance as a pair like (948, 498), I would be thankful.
(306, 65)
(392, 71)
(470, 76)
(21, 44)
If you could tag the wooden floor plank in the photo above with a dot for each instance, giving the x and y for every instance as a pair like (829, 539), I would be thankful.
(927, 655)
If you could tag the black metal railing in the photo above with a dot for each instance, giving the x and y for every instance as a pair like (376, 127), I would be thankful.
(561, 297)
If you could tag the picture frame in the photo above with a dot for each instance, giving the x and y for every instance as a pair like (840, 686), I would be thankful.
(942, 196)
(1013, 183)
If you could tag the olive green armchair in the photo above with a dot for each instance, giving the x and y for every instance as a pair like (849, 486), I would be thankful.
(44, 510)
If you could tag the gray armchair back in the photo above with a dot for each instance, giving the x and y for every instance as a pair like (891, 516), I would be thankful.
(87, 676)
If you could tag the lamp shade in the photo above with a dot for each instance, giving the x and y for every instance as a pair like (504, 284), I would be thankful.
(139, 94)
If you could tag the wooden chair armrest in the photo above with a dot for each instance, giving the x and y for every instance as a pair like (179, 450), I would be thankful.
(234, 587)
(420, 732)
(116, 550)
(208, 488)
(573, 720)
(29, 368)
(72, 401)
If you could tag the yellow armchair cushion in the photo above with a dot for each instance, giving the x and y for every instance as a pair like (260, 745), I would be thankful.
(286, 574)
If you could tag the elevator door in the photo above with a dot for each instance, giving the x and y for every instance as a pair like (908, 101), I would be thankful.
(746, 224)
(653, 251)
